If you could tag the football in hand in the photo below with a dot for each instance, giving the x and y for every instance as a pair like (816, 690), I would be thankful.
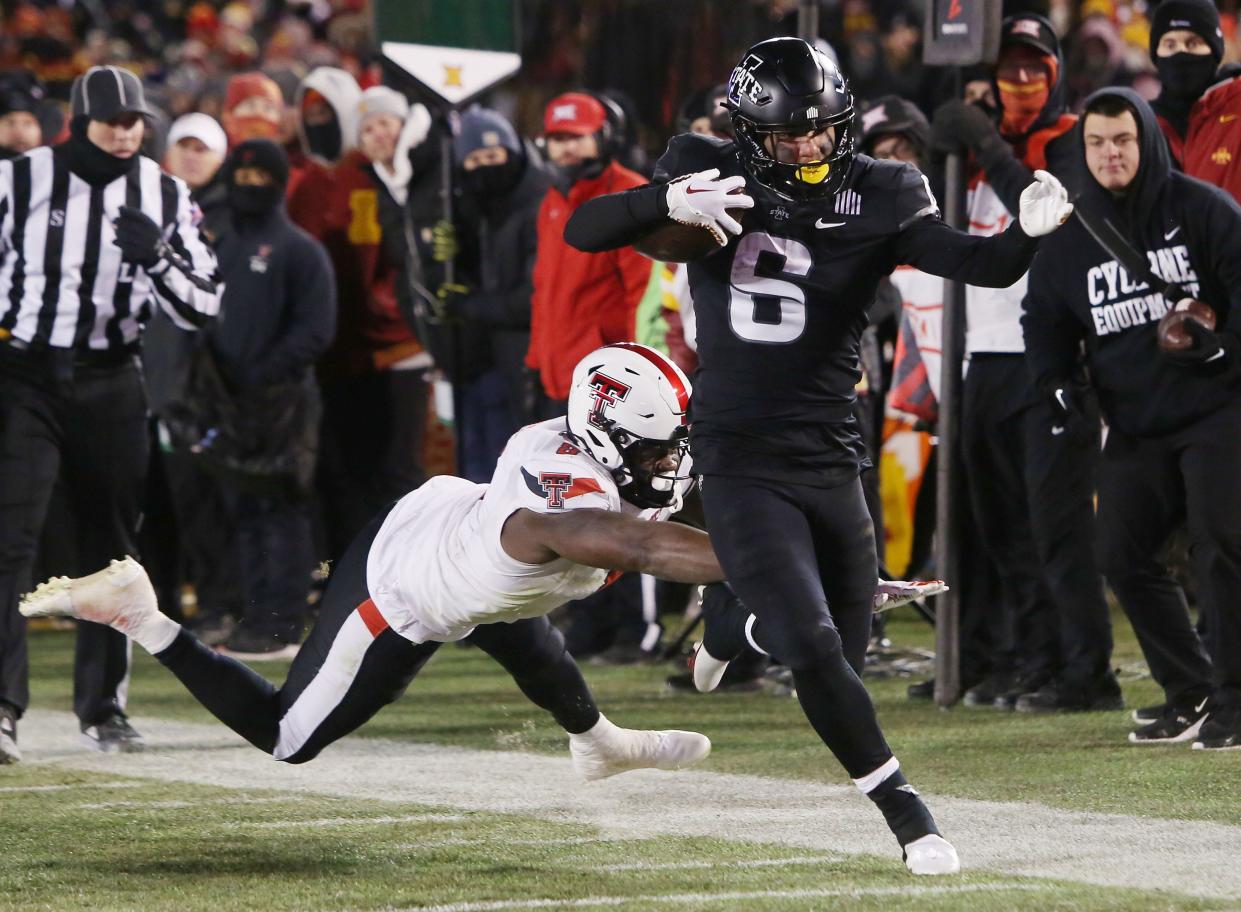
(674, 242)
(1172, 334)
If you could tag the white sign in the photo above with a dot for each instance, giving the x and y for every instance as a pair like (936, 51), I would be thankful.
(455, 74)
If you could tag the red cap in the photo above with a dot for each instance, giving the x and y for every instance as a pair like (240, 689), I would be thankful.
(248, 85)
(575, 113)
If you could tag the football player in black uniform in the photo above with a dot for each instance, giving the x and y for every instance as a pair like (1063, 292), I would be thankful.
(781, 306)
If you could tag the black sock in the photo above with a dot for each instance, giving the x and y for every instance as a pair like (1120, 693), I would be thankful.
(907, 817)
(237, 696)
(724, 619)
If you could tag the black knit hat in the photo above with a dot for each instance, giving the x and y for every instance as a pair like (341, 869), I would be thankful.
(263, 154)
(1199, 16)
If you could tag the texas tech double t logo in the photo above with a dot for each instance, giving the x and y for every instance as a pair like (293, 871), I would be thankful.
(605, 392)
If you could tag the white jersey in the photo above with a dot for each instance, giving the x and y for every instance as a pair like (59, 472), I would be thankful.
(436, 569)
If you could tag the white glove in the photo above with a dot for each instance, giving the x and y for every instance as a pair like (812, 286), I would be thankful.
(703, 199)
(894, 593)
(1045, 205)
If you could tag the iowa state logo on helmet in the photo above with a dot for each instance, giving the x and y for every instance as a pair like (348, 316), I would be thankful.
(605, 393)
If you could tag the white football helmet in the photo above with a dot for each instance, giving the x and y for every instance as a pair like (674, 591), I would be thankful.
(628, 409)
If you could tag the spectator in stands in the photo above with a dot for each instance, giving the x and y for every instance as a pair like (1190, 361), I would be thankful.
(1031, 483)
(1197, 102)
(502, 188)
(373, 377)
(20, 130)
(581, 300)
(327, 105)
(277, 317)
(253, 108)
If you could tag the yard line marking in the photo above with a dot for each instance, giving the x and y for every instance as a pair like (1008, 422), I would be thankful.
(124, 784)
(445, 843)
(346, 821)
(702, 898)
(700, 865)
(174, 804)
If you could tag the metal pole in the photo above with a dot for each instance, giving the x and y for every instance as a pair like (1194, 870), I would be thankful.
(450, 273)
(948, 461)
(808, 20)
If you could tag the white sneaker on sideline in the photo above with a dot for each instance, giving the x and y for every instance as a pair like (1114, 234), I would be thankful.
(931, 855)
(606, 750)
(707, 669)
(120, 596)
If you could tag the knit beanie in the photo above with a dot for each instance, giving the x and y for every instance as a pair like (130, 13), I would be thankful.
(1199, 16)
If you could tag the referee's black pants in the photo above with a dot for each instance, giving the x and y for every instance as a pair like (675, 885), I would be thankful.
(86, 422)
(1148, 486)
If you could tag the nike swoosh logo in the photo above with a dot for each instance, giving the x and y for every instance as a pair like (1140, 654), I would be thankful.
(1057, 431)
(698, 189)
(1169, 235)
(822, 224)
(1201, 705)
(1215, 357)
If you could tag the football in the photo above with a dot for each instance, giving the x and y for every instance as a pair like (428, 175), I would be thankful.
(673, 242)
(1171, 331)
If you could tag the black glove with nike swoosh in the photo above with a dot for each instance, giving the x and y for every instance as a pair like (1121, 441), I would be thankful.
(1209, 348)
(1071, 412)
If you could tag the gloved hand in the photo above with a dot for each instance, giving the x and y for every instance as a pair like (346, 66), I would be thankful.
(1208, 348)
(139, 237)
(959, 126)
(447, 305)
(704, 199)
(894, 593)
(444, 246)
(1045, 205)
(1069, 412)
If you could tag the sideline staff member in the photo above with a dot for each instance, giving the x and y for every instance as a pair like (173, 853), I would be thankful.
(1174, 442)
(92, 236)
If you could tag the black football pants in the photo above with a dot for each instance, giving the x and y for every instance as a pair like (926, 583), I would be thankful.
(1148, 486)
(802, 560)
(86, 424)
(353, 664)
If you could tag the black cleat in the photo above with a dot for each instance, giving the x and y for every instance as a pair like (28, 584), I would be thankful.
(113, 735)
(1174, 726)
(1221, 730)
(1103, 696)
(1148, 714)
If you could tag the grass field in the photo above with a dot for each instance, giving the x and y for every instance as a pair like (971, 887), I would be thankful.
(89, 832)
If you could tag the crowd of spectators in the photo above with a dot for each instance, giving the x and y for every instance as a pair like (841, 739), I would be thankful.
(355, 306)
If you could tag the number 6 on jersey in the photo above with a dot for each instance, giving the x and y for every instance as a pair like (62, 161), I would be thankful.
(748, 287)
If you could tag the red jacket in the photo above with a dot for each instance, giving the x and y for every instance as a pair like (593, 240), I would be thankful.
(581, 300)
(1211, 149)
(340, 206)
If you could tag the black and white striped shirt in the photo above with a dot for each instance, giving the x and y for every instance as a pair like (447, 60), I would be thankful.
(62, 281)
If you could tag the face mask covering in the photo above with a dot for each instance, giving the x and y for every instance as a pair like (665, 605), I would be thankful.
(324, 140)
(491, 181)
(1185, 76)
(250, 200)
(1023, 102)
(241, 129)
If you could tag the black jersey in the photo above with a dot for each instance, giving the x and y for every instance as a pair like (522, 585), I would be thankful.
(781, 309)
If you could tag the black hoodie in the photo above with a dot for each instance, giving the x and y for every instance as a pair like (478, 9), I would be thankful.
(1191, 233)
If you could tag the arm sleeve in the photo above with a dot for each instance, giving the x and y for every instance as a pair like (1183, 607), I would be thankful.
(620, 219)
(184, 283)
(1052, 334)
(988, 262)
(310, 316)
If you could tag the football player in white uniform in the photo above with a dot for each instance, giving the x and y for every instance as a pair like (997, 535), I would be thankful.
(571, 501)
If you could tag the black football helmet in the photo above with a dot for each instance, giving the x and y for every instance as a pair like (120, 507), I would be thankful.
(787, 86)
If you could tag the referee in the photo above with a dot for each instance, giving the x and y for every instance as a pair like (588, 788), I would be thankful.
(93, 237)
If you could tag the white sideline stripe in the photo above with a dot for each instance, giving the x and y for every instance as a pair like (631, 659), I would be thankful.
(346, 821)
(15, 789)
(1017, 838)
(324, 693)
(173, 804)
(702, 865)
(702, 898)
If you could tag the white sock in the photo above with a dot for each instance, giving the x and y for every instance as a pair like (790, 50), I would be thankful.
(156, 633)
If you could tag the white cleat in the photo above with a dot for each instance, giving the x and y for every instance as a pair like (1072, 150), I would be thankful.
(120, 596)
(606, 750)
(894, 593)
(931, 855)
(707, 669)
